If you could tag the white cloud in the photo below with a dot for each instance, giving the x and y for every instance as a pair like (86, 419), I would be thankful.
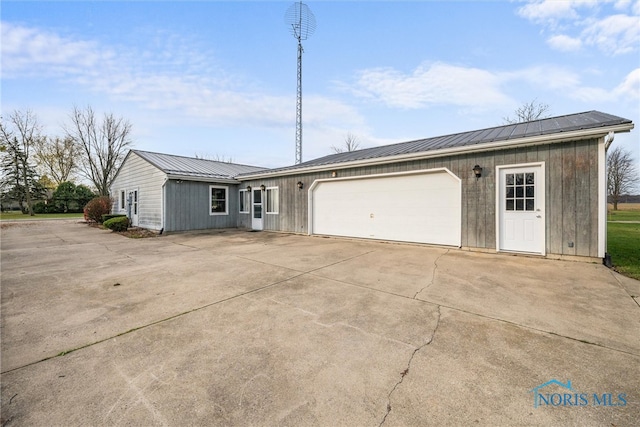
(564, 43)
(548, 10)
(27, 50)
(617, 34)
(588, 23)
(434, 84)
(548, 77)
(180, 78)
(629, 89)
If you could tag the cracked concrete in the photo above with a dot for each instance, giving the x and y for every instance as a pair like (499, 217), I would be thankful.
(404, 373)
(433, 274)
(236, 328)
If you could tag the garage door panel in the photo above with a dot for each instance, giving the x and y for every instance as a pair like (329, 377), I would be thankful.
(423, 208)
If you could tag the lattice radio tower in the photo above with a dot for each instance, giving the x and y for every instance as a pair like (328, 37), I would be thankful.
(302, 24)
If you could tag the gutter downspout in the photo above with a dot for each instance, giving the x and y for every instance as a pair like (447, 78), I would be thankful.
(602, 218)
(163, 198)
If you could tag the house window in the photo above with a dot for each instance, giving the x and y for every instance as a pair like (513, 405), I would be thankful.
(520, 191)
(218, 200)
(272, 200)
(245, 201)
(123, 200)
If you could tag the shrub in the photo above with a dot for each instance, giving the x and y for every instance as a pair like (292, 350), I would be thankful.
(43, 208)
(97, 207)
(107, 217)
(120, 223)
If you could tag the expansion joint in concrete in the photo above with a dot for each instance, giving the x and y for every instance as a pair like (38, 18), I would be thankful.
(405, 372)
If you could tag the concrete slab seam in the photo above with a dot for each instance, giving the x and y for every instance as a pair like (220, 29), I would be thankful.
(634, 298)
(531, 328)
(343, 324)
(404, 373)
(240, 295)
(433, 275)
(437, 304)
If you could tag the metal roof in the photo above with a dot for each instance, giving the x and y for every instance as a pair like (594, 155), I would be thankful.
(189, 167)
(515, 132)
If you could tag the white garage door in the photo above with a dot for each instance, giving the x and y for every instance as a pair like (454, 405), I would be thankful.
(420, 207)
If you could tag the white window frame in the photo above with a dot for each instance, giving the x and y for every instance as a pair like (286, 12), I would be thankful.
(268, 194)
(244, 193)
(122, 200)
(226, 199)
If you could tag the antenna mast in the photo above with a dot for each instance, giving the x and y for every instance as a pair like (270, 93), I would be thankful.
(302, 24)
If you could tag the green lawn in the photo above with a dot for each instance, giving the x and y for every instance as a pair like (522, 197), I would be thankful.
(623, 215)
(623, 243)
(19, 216)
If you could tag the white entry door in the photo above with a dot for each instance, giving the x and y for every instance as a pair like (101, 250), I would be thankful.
(134, 201)
(256, 209)
(521, 219)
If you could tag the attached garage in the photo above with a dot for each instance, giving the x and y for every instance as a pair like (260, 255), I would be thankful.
(419, 206)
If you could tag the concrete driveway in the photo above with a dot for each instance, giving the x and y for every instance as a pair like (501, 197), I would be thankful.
(241, 328)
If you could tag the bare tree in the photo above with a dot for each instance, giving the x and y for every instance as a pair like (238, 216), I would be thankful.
(529, 111)
(622, 175)
(103, 145)
(216, 157)
(57, 158)
(351, 143)
(17, 139)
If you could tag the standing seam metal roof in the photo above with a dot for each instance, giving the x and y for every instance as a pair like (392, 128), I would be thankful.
(553, 125)
(197, 168)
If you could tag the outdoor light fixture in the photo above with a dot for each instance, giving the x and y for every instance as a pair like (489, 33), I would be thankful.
(300, 185)
(477, 170)
(262, 187)
(248, 188)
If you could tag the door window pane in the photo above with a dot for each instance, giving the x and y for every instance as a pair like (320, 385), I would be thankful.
(519, 191)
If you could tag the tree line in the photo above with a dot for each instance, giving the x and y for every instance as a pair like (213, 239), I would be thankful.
(36, 167)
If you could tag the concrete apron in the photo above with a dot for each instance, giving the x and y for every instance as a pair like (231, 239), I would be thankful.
(237, 328)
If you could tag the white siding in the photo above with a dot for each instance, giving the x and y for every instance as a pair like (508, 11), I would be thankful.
(137, 173)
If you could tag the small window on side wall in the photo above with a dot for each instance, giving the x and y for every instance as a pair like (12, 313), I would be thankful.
(123, 200)
(218, 200)
(272, 200)
(245, 201)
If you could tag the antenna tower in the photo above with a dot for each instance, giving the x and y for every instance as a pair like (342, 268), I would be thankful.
(302, 24)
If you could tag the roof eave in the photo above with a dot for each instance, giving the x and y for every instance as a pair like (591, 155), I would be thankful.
(509, 143)
(203, 179)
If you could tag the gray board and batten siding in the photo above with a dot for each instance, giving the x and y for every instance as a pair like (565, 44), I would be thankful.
(174, 191)
(568, 146)
(571, 187)
(570, 150)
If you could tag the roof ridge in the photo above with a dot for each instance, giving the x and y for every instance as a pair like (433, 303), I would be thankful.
(194, 158)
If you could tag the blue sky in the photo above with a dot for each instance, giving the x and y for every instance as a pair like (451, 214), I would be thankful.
(219, 78)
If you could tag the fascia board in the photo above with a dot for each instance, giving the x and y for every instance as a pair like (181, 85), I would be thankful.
(202, 179)
(533, 140)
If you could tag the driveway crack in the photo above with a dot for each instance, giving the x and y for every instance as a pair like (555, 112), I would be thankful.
(405, 372)
(433, 275)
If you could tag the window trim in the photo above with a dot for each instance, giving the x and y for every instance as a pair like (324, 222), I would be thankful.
(266, 201)
(226, 199)
(122, 200)
(247, 206)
